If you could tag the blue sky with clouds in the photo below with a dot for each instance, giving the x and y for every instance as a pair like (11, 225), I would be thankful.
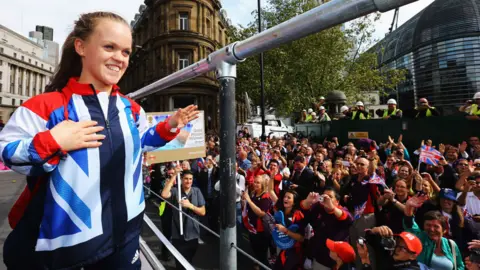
(22, 15)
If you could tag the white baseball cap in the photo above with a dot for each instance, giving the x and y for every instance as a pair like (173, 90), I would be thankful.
(359, 104)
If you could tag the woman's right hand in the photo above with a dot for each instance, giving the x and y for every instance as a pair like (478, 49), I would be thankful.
(72, 135)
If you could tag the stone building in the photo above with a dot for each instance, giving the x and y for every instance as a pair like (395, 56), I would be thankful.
(24, 70)
(169, 36)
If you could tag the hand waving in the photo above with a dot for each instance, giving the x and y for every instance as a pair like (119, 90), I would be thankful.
(72, 135)
(183, 116)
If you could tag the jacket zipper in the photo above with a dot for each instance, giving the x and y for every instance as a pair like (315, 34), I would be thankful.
(109, 133)
(107, 123)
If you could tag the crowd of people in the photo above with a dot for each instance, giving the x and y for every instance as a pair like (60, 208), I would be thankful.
(361, 204)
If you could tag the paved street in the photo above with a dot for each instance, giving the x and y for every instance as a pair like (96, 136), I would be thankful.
(11, 185)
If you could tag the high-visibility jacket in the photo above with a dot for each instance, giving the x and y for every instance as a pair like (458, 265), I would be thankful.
(394, 112)
(427, 114)
(361, 116)
(474, 110)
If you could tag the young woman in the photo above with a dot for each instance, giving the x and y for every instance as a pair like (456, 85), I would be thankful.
(291, 258)
(81, 144)
(258, 203)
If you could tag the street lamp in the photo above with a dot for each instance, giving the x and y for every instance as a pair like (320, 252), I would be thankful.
(262, 90)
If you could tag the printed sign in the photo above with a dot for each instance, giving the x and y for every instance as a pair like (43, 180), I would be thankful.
(189, 143)
(357, 135)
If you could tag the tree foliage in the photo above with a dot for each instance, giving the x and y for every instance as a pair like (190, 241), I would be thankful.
(296, 74)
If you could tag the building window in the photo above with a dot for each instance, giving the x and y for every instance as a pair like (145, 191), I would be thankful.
(209, 28)
(29, 60)
(23, 58)
(220, 37)
(1, 75)
(1, 87)
(36, 63)
(184, 59)
(1, 62)
(13, 102)
(15, 55)
(183, 23)
(182, 102)
(28, 91)
(42, 65)
(13, 71)
(1, 50)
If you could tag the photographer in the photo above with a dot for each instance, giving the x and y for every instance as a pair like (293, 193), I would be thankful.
(328, 220)
(472, 262)
(400, 252)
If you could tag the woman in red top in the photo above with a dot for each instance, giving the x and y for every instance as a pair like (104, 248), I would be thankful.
(258, 204)
(291, 258)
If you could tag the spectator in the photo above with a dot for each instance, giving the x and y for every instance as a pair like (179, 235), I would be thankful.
(287, 210)
(392, 112)
(342, 253)
(329, 221)
(257, 204)
(359, 113)
(405, 252)
(425, 110)
(193, 204)
(438, 252)
(471, 107)
(322, 115)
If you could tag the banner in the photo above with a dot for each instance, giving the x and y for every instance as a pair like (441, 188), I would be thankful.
(189, 143)
(357, 135)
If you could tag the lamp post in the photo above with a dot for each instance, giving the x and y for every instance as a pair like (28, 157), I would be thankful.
(262, 89)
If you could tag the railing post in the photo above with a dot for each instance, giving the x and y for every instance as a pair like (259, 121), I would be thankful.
(226, 74)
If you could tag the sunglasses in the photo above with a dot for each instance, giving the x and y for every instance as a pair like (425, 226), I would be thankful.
(477, 165)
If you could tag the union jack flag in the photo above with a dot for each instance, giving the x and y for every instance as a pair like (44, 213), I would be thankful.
(376, 179)
(429, 155)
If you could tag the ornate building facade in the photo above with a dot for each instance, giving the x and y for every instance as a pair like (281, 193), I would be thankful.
(170, 35)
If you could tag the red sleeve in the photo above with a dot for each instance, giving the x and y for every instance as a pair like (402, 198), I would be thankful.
(163, 130)
(46, 146)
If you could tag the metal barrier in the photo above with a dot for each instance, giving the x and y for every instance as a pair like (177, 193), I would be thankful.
(163, 239)
(147, 253)
(224, 61)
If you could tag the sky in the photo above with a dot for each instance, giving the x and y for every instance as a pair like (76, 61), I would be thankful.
(22, 15)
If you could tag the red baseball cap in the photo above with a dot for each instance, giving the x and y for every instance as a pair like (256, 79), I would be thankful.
(413, 243)
(343, 249)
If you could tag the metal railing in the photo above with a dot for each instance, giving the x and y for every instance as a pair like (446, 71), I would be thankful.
(223, 62)
(175, 252)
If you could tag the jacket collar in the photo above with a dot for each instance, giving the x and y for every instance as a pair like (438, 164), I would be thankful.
(74, 87)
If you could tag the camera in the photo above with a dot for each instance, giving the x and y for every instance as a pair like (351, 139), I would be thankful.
(321, 198)
(475, 255)
(362, 241)
(388, 243)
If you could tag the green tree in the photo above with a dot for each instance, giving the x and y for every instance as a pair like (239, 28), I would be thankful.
(296, 74)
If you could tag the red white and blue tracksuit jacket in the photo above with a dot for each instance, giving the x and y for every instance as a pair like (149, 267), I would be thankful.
(78, 207)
